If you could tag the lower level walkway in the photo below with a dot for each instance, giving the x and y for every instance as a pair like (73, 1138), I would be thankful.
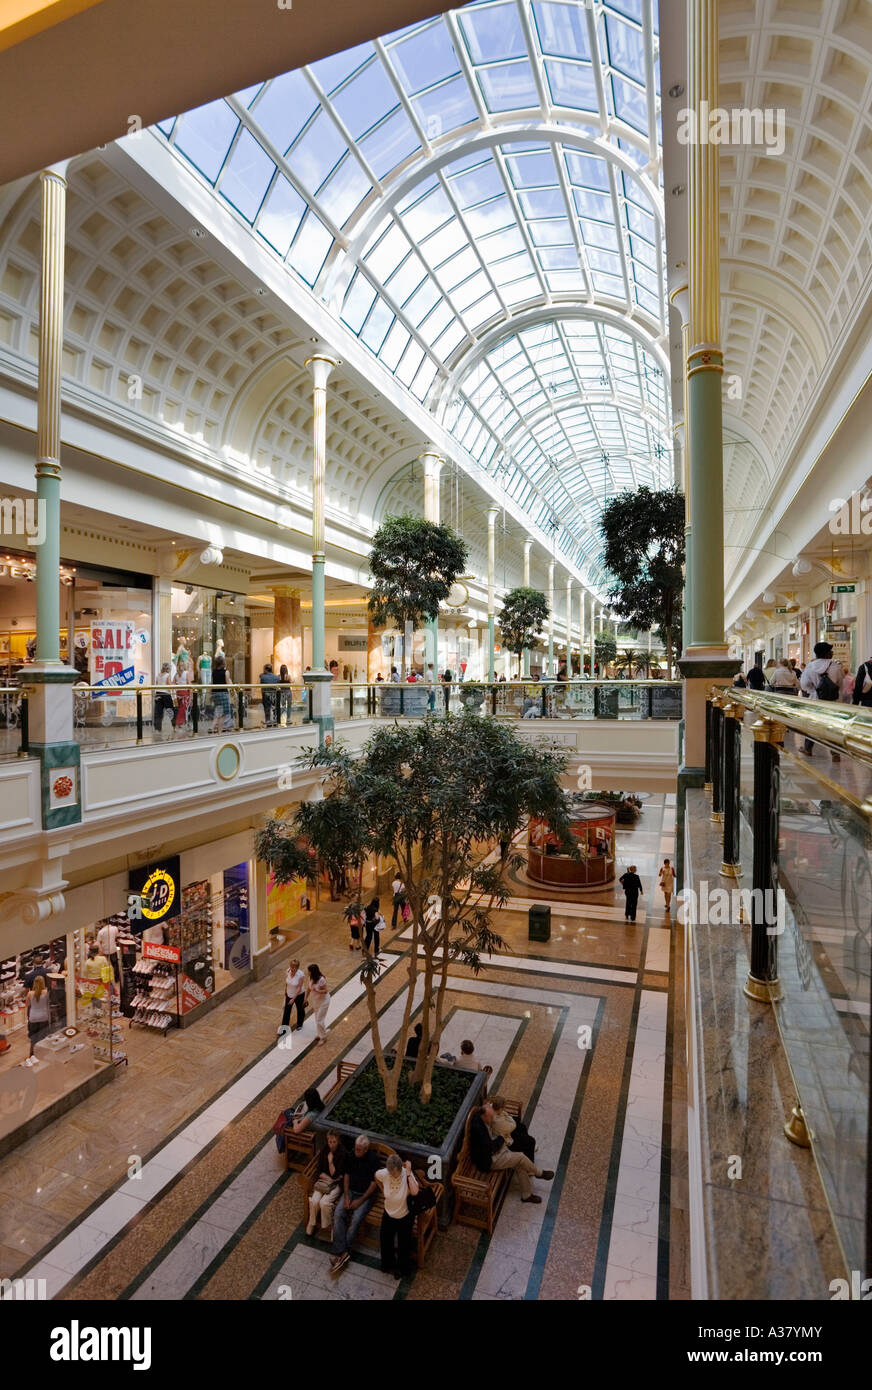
(580, 1030)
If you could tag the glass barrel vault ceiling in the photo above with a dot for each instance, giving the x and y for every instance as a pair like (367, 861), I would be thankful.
(479, 199)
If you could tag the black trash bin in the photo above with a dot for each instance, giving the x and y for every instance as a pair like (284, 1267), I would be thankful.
(539, 922)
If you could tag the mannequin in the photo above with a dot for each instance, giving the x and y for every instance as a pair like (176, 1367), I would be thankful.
(219, 648)
(204, 668)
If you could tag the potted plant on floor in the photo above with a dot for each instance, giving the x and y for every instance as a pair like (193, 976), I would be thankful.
(433, 797)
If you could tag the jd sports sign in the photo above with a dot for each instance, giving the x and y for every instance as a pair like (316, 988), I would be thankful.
(159, 889)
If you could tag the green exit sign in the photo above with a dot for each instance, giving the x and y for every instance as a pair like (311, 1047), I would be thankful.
(781, 610)
(843, 588)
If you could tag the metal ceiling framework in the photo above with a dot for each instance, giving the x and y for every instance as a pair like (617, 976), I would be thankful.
(478, 198)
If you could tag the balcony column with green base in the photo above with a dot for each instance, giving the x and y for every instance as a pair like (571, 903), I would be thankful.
(525, 656)
(49, 680)
(705, 659)
(493, 513)
(432, 512)
(550, 672)
(318, 686)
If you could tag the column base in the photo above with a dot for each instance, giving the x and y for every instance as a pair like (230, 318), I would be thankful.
(796, 1129)
(319, 683)
(762, 991)
(702, 667)
(731, 870)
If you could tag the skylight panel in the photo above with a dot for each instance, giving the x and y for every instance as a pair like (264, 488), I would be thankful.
(572, 84)
(395, 345)
(542, 202)
(205, 135)
(389, 144)
(458, 268)
(387, 254)
(508, 87)
(562, 28)
(492, 32)
(553, 233)
(429, 214)
(587, 171)
(419, 306)
(495, 216)
(281, 215)
(309, 251)
(333, 71)
(424, 59)
(626, 48)
(444, 108)
(247, 176)
(477, 185)
(505, 248)
(519, 291)
(406, 279)
(358, 302)
(641, 222)
(590, 204)
(317, 152)
(283, 108)
(443, 244)
(344, 191)
(451, 338)
(630, 104)
(365, 100)
(433, 325)
(376, 327)
(532, 170)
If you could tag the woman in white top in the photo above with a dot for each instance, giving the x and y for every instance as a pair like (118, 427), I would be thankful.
(295, 995)
(107, 941)
(398, 1183)
(784, 678)
(318, 994)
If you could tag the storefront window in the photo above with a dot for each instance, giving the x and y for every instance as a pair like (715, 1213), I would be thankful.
(209, 621)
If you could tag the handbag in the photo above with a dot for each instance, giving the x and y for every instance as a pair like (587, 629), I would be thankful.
(325, 1184)
(407, 912)
(423, 1200)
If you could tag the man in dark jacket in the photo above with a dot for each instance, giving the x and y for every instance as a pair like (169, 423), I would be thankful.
(756, 678)
(632, 886)
(488, 1152)
(268, 677)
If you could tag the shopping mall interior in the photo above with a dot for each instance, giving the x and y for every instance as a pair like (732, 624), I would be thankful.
(492, 272)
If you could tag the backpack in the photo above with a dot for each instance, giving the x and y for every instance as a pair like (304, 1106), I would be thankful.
(867, 678)
(826, 688)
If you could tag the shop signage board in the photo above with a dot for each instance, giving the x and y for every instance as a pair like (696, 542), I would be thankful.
(155, 950)
(192, 994)
(111, 647)
(159, 888)
(351, 644)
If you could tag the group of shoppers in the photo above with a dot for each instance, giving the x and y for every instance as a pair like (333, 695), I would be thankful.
(824, 678)
(302, 989)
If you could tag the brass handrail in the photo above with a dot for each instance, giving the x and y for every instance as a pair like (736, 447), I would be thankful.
(847, 727)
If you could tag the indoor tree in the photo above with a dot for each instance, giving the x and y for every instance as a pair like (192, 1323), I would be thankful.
(643, 548)
(429, 796)
(605, 651)
(414, 564)
(522, 620)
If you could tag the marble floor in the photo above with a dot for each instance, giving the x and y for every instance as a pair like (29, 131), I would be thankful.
(167, 1185)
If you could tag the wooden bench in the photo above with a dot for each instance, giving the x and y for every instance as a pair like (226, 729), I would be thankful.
(299, 1148)
(425, 1226)
(478, 1197)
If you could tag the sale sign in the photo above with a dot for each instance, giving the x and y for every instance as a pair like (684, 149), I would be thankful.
(192, 994)
(111, 647)
(154, 950)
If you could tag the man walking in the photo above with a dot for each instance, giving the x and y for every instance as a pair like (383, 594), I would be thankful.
(822, 679)
(632, 886)
(268, 678)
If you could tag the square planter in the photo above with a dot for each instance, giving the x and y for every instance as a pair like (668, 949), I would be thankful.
(421, 1154)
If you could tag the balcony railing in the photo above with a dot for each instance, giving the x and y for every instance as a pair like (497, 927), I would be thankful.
(791, 782)
(109, 718)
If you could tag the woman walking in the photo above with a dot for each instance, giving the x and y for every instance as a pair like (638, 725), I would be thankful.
(667, 881)
(373, 924)
(318, 994)
(38, 1016)
(295, 996)
(220, 695)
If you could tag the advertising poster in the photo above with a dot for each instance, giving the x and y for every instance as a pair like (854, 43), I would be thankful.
(112, 649)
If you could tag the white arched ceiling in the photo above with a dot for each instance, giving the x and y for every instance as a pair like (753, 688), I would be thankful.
(796, 230)
(496, 166)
